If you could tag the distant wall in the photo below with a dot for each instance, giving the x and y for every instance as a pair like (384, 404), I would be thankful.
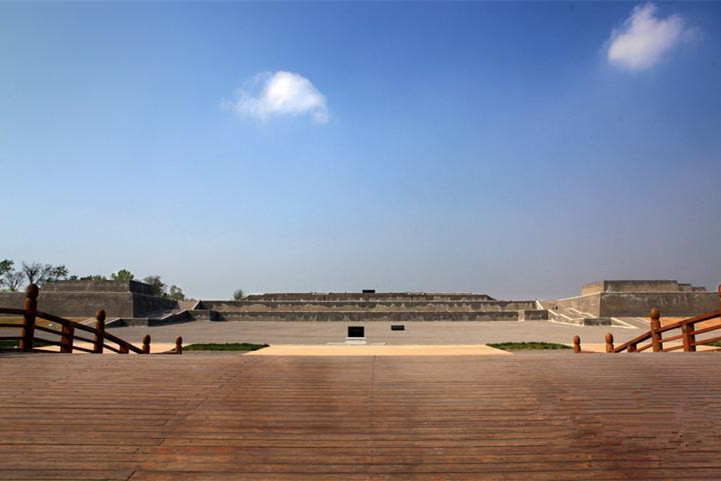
(362, 316)
(357, 296)
(60, 300)
(638, 304)
(75, 304)
(638, 286)
(143, 304)
(349, 305)
(673, 304)
(99, 286)
(593, 288)
(590, 304)
(14, 300)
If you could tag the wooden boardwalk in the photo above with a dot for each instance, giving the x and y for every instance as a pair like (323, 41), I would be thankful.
(233, 417)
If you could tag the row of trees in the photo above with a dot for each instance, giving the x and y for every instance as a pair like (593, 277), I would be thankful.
(12, 278)
(161, 290)
(34, 273)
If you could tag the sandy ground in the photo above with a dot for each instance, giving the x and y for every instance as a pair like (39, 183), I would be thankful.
(155, 348)
(416, 334)
(428, 350)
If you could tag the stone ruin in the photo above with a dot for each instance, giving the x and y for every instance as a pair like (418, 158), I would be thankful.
(133, 303)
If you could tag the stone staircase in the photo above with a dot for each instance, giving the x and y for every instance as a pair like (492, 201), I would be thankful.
(168, 316)
(570, 315)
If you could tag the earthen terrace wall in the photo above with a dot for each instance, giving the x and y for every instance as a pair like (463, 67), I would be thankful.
(84, 298)
(429, 306)
(361, 297)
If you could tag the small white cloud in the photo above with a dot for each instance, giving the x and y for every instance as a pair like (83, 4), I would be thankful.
(280, 93)
(644, 38)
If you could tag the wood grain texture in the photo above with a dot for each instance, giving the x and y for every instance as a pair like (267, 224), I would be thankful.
(215, 416)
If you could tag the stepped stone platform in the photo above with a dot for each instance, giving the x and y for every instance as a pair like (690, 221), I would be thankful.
(215, 417)
(368, 296)
(83, 299)
(131, 303)
(359, 307)
(607, 299)
(396, 316)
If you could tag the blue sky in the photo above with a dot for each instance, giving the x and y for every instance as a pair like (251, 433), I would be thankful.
(517, 149)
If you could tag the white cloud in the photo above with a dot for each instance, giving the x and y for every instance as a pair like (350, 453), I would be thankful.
(277, 94)
(644, 38)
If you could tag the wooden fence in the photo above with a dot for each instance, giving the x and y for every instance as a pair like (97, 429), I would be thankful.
(71, 331)
(685, 331)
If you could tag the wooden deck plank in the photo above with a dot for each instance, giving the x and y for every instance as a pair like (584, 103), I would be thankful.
(227, 417)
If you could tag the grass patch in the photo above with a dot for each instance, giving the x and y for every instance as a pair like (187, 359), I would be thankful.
(522, 346)
(714, 344)
(231, 346)
(14, 344)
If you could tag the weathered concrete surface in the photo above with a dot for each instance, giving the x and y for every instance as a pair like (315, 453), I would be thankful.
(426, 350)
(669, 303)
(380, 296)
(99, 286)
(173, 316)
(631, 286)
(76, 304)
(396, 316)
(627, 304)
(354, 307)
(118, 298)
(435, 332)
(318, 305)
(589, 304)
(639, 286)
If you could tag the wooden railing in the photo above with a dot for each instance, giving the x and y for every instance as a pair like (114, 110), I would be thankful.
(657, 336)
(96, 336)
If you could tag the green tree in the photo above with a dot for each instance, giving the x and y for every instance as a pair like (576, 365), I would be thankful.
(176, 293)
(92, 277)
(58, 273)
(37, 272)
(5, 266)
(123, 275)
(13, 280)
(157, 285)
(238, 294)
(10, 279)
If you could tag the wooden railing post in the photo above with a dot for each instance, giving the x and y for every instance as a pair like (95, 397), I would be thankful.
(146, 344)
(576, 344)
(66, 340)
(689, 338)
(656, 340)
(633, 348)
(31, 308)
(99, 331)
(609, 342)
(179, 345)
(123, 348)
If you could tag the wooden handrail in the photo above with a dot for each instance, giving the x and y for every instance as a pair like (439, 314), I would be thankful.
(655, 334)
(100, 338)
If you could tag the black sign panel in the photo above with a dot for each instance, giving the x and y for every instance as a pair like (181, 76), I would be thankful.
(356, 331)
